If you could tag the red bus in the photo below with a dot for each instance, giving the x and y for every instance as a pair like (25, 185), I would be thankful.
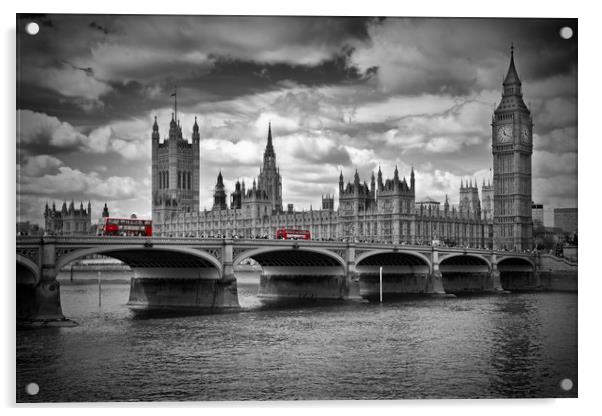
(125, 227)
(292, 234)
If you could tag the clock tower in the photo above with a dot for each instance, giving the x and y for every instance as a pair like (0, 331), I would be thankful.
(512, 146)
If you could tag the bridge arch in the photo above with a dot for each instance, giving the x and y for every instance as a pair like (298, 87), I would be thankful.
(295, 273)
(411, 258)
(148, 257)
(403, 272)
(516, 263)
(467, 259)
(27, 271)
(462, 272)
(517, 273)
(300, 257)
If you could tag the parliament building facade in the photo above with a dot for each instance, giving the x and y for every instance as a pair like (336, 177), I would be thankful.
(385, 210)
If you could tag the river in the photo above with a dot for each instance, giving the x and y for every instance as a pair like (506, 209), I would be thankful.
(479, 346)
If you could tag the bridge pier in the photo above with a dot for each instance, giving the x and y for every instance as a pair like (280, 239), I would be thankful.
(299, 273)
(38, 297)
(352, 276)
(495, 280)
(434, 282)
(201, 287)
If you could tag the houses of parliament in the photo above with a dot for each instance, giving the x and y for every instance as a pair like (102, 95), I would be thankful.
(385, 210)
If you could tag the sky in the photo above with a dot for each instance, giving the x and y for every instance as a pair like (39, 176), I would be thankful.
(341, 94)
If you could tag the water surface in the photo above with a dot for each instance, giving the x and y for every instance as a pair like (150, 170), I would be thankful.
(516, 345)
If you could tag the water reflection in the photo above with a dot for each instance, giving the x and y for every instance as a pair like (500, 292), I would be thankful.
(517, 345)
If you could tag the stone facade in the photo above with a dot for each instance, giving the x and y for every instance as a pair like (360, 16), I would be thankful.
(385, 211)
(175, 174)
(512, 144)
(68, 220)
(566, 219)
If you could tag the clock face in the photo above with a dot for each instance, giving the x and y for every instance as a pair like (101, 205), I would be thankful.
(525, 135)
(504, 134)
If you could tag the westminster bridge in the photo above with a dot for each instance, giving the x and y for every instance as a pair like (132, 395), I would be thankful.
(192, 273)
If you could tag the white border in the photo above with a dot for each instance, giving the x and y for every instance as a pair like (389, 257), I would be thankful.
(589, 151)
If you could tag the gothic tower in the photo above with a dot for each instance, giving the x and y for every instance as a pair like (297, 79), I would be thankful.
(219, 195)
(512, 146)
(269, 175)
(175, 173)
(470, 203)
(487, 205)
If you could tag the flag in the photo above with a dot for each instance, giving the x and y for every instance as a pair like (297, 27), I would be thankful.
(173, 95)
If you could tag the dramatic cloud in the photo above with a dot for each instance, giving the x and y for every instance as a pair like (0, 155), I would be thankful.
(73, 183)
(40, 131)
(40, 165)
(340, 93)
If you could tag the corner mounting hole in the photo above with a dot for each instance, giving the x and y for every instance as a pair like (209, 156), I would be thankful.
(32, 389)
(566, 32)
(566, 384)
(32, 28)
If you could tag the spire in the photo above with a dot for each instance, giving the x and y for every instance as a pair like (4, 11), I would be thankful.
(155, 135)
(396, 174)
(356, 177)
(220, 179)
(269, 149)
(461, 183)
(512, 75)
(195, 127)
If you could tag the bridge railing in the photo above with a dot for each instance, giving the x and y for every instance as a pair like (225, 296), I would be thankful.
(117, 240)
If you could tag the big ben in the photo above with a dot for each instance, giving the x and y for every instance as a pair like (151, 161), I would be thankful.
(512, 146)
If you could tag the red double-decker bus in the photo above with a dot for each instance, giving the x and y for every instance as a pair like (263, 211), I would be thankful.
(292, 234)
(125, 227)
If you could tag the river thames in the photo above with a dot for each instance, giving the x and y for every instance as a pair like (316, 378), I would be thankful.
(479, 346)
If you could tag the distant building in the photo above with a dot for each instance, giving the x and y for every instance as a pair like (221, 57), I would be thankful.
(384, 210)
(328, 202)
(469, 197)
(68, 221)
(26, 228)
(566, 219)
(537, 214)
(428, 203)
(487, 202)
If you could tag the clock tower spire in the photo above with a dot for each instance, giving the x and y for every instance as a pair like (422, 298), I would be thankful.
(512, 147)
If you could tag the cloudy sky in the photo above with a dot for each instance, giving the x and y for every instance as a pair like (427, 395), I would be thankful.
(341, 93)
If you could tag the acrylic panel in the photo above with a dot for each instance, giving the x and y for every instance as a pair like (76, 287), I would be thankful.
(232, 208)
